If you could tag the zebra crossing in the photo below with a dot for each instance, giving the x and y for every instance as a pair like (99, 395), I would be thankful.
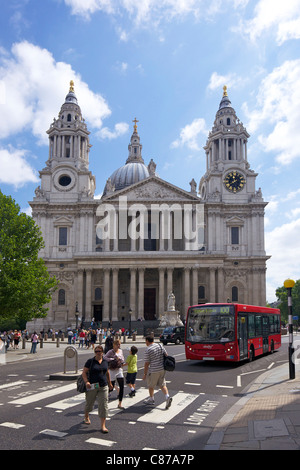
(185, 404)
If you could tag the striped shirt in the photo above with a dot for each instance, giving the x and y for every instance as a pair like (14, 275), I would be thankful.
(154, 354)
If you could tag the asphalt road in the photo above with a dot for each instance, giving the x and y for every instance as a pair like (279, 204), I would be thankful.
(41, 414)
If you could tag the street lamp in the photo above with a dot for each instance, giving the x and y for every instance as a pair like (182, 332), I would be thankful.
(129, 313)
(289, 284)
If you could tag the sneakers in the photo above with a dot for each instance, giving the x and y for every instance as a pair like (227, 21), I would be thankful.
(132, 393)
(168, 403)
(149, 401)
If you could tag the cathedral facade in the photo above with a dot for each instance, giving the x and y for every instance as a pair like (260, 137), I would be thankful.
(117, 258)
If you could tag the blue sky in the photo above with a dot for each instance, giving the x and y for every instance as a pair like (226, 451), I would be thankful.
(164, 62)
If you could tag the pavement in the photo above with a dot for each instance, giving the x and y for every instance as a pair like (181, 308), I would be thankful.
(266, 417)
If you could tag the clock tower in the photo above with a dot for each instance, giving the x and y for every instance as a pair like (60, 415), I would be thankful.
(228, 176)
(234, 209)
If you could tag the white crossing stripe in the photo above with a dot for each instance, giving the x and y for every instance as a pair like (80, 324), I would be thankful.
(159, 415)
(113, 409)
(13, 384)
(68, 402)
(191, 383)
(224, 386)
(12, 425)
(50, 432)
(101, 442)
(43, 395)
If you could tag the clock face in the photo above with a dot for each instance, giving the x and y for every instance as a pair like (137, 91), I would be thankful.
(234, 181)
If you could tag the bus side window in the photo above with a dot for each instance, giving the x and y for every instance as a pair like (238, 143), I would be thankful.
(272, 324)
(258, 326)
(251, 325)
(265, 323)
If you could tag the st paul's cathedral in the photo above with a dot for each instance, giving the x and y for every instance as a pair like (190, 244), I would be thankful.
(117, 258)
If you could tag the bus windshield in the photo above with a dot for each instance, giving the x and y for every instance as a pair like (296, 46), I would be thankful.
(210, 324)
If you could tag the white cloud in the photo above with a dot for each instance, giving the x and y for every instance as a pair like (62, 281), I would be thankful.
(120, 129)
(15, 169)
(32, 81)
(190, 133)
(278, 109)
(218, 81)
(281, 17)
(282, 243)
(88, 7)
(292, 195)
(153, 12)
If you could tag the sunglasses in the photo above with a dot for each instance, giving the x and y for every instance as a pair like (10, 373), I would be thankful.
(99, 350)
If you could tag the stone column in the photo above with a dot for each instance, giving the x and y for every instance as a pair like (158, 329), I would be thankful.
(212, 284)
(195, 286)
(220, 293)
(140, 312)
(115, 292)
(106, 294)
(132, 303)
(88, 295)
(161, 294)
(79, 294)
(186, 296)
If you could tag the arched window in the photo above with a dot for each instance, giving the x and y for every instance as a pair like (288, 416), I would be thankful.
(234, 294)
(69, 118)
(61, 297)
(228, 121)
(98, 293)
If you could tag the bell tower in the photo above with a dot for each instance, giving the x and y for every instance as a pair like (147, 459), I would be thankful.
(67, 176)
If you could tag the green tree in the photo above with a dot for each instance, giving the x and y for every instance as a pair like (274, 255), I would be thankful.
(281, 294)
(25, 284)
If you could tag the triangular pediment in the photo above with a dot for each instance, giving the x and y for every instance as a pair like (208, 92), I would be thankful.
(152, 189)
(66, 221)
(235, 221)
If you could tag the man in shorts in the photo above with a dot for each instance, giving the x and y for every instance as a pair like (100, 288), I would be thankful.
(154, 371)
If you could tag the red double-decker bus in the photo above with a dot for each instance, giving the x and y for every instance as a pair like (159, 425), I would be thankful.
(231, 332)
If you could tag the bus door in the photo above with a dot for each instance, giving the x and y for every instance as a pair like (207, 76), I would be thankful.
(242, 336)
(265, 333)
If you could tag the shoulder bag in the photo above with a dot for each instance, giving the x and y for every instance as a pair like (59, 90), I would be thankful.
(81, 387)
(169, 361)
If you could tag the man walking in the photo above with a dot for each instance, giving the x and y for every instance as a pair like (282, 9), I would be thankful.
(154, 371)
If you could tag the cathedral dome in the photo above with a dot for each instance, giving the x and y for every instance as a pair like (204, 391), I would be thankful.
(129, 174)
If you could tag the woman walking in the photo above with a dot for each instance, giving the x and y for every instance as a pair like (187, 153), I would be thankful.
(115, 359)
(97, 379)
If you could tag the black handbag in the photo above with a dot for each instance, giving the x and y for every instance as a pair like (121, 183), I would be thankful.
(81, 387)
(169, 362)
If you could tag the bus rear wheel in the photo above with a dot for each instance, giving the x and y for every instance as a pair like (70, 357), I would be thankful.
(251, 354)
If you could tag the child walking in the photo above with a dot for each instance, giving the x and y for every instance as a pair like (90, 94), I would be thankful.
(132, 370)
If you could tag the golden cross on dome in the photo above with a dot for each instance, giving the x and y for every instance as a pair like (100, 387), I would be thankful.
(135, 126)
(71, 86)
(225, 90)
